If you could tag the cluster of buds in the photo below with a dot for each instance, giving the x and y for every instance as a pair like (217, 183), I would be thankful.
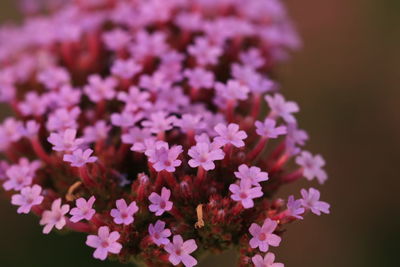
(154, 127)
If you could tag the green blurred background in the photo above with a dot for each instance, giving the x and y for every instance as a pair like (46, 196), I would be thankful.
(346, 79)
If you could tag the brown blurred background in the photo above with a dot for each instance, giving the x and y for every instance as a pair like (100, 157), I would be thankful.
(346, 79)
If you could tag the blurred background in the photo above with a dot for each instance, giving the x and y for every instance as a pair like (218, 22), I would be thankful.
(346, 80)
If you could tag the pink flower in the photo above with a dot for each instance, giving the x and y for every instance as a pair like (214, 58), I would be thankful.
(97, 132)
(179, 251)
(116, 39)
(160, 203)
(233, 90)
(54, 217)
(229, 135)
(125, 68)
(279, 107)
(135, 99)
(253, 174)
(267, 129)
(295, 208)
(311, 201)
(63, 119)
(54, 77)
(31, 129)
(159, 122)
(80, 157)
(125, 119)
(190, 122)
(84, 209)
(204, 52)
(163, 157)
(104, 242)
(267, 261)
(33, 104)
(263, 236)
(312, 166)
(204, 155)
(200, 78)
(28, 197)
(245, 193)
(18, 177)
(252, 58)
(159, 234)
(123, 214)
(65, 141)
(99, 89)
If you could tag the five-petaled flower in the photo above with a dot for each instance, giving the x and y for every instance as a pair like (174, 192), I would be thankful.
(312, 166)
(27, 198)
(263, 236)
(267, 261)
(84, 209)
(78, 158)
(54, 217)
(123, 214)
(310, 201)
(245, 193)
(104, 242)
(229, 135)
(158, 233)
(160, 203)
(253, 174)
(179, 251)
(203, 154)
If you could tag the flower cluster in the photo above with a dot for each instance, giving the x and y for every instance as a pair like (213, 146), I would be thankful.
(141, 123)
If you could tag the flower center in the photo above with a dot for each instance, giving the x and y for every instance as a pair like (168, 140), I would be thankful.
(262, 236)
(243, 195)
(163, 204)
(104, 244)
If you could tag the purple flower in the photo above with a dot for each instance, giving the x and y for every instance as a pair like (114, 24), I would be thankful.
(229, 134)
(33, 104)
(125, 68)
(163, 157)
(233, 90)
(267, 261)
(204, 52)
(84, 209)
(159, 234)
(78, 158)
(54, 77)
(31, 129)
(136, 137)
(268, 128)
(18, 177)
(160, 203)
(190, 122)
(263, 236)
(279, 107)
(312, 166)
(65, 141)
(104, 242)
(159, 122)
(63, 119)
(310, 201)
(135, 99)
(123, 214)
(252, 174)
(125, 119)
(54, 217)
(99, 89)
(252, 58)
(116, 39)
(12, 130)
(295, 208)
(179, 251)
(245, 193)
(97, 132)
(28, 197)
(256, 82)
(200, 78)
(204, 155)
